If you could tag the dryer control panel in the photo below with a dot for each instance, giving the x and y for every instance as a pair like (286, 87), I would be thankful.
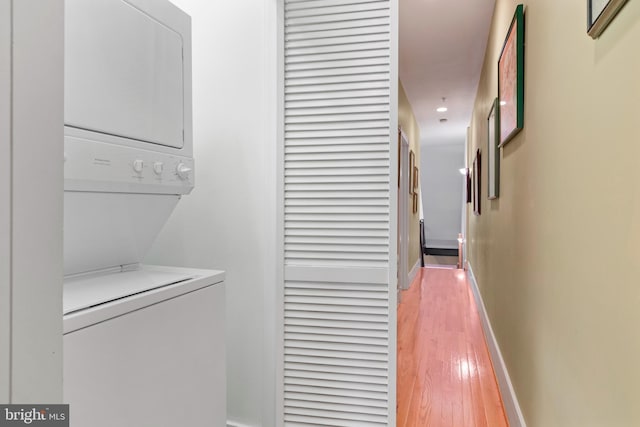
(103, 167)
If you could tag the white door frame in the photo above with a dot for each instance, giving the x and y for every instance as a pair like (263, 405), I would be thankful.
(403, 214)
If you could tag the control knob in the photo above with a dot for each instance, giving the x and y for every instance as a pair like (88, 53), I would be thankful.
(183, 171)
(158, 167)
(138, 165)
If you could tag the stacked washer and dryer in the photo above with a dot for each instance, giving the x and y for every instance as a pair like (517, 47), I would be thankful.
(143, 345)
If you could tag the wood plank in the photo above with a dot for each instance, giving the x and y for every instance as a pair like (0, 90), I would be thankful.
(445, 375)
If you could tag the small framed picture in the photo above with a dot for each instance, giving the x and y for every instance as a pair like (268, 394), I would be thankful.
(399, 153)
(600, 13)
(416, 179)
(493, 152)
(469, 186)
(415, 202)
(476, 183)
(412, 165)
(511, 79)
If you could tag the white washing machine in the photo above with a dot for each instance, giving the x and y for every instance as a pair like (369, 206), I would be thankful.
(145, 348)
(143, 345)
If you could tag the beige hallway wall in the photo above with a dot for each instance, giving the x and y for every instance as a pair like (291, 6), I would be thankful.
(409, 126)
(557, 255)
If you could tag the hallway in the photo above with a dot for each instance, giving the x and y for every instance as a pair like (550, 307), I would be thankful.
(445, 376)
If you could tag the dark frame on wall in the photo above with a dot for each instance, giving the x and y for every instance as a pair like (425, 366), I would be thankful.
(415, 203)
(599, 19)
(412, 164)
(469, 185)
(399, 153)
(511, 79)
(476, 182)
(493, 152)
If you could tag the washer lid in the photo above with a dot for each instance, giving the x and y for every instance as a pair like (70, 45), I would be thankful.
(90, 291)
(90, 300)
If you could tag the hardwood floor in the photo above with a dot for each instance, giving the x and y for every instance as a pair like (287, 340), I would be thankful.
(445, 376)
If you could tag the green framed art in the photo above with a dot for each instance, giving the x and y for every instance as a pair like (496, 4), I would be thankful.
(511, 79)
(493, 152)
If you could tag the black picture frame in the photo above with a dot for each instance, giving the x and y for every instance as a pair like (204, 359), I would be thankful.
(469, 186)
(412, 164)
(477, 174)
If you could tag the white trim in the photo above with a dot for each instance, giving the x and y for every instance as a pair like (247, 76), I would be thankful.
(273, 326)
(393, 208)
(509, 398)
(37, 200)
(231, 423)
(414, 272)
(279, 225)
(5, 199)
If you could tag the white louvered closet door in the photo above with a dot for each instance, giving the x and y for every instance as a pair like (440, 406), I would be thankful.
(340, 89)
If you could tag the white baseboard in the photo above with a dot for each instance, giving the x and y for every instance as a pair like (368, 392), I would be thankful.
(414, 272)
(236, 424)
(509, 398)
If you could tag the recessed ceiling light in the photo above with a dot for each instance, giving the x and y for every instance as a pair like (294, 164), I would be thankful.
(442, 108)
(463, 171)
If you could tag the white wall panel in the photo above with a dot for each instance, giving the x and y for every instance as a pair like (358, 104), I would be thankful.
(338, 219)
(5, 198)
(37, 181)
(442, 186)
(227, 222)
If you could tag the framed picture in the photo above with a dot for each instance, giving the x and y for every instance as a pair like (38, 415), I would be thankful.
(416, 179)
(412, 165)
(399, 152)
(469, 186)
(415, 202)
(493, 152)
(511, 79)
(476, 183)
(600, 13)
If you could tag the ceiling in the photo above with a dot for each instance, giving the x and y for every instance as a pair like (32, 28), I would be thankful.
(442, 45)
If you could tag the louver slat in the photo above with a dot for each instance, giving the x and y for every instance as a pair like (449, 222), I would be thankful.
(337, 131)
